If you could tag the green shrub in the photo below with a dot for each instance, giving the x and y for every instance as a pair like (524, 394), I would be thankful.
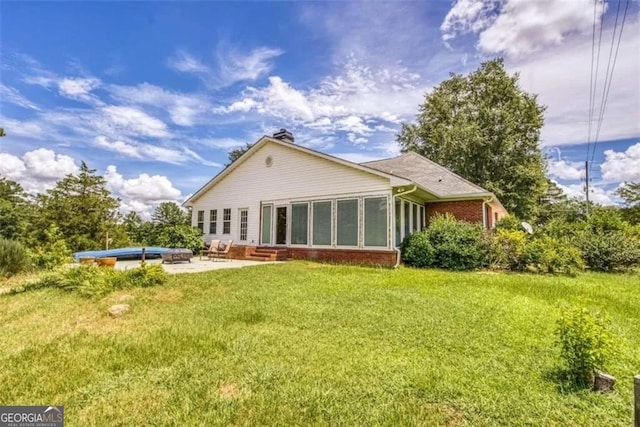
(545, 254)
(508, 248)
(52, 251)
(508, 222)
(146, 276)
(13, 258)
(586, 344)
(181, 236)
(458, 245)
(614, 251)
(417, 251)
(93, 281)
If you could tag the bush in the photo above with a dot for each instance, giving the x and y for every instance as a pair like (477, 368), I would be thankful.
(458, 245)
(417, 251)
(614, 251)
(585, 343)
(509, 222)
(508, 249)
(13, 258)
(181, 236)
(546, 254)
(93, 281)
(52, 251)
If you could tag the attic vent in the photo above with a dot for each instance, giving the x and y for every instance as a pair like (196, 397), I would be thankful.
(284, 135)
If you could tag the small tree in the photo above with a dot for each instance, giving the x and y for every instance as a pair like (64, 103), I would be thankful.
(236, 153)
(586, 344)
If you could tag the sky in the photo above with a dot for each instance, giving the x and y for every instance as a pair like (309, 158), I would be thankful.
(152, 95)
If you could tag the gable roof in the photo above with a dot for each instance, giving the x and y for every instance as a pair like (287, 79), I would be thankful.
(406, 169)
(395, 179)
(435, 178)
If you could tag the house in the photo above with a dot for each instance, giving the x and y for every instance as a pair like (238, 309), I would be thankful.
(283, 200)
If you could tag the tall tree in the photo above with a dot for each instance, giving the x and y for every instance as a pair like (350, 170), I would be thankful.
(82, 208)
(236, 153)
(485, 128)
(630, 192)
(13, 205)
(168, 214)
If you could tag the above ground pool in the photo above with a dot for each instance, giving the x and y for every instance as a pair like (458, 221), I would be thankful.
(122, 253)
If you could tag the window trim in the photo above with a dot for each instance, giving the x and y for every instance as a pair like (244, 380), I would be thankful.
(213, 219)
(200, 220)
(240, 212)
(290, 227)
(364, 222)
(332, 241)
(358, 225)
(226, 222)
(271, 222)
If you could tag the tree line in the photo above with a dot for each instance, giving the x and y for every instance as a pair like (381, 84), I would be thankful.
(80, 213)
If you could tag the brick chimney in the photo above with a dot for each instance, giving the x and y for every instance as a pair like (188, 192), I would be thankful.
(284, 135)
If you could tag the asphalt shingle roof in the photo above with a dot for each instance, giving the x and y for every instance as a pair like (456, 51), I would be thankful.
(434, 178)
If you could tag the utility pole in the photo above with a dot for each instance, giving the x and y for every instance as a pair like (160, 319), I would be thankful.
(586, 184)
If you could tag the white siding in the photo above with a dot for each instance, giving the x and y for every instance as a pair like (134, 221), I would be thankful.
(293, 175)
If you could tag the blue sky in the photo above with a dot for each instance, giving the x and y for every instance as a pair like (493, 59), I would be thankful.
(154, 94)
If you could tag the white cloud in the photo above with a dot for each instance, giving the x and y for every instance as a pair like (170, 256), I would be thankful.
(37, 170)
(141, 151)
(186, 63)
(566, 170)
(355, 100)
(235, 66)
(622, 166)
(12, 95)
(597, 194)
(183, 109)
(145, 189)
(78, 88)
(561, 77)
(134, 121)
(519, 27)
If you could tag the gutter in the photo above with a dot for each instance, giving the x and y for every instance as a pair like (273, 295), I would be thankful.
(393, 198)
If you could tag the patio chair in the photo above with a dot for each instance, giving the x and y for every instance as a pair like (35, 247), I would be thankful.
(223, 250)
(213, 248)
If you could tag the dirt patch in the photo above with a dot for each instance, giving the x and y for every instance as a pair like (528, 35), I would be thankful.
(229, 391)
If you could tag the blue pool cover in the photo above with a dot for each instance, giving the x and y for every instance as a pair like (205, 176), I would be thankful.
(123, 253)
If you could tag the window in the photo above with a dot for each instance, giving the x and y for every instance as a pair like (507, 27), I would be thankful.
(375, 221)
(226, 221)
(347, 222)
(421, 218)
(322, 223)
(201, 221)
(265, 236)
(244, 215)
(213, 220)
(299, 223)
(414, 226)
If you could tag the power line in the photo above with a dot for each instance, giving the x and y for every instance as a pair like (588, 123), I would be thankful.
(593, 46)
(605, 92)
(595, 80)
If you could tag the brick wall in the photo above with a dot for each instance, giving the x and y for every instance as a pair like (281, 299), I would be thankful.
(467, 210)
(347, 256)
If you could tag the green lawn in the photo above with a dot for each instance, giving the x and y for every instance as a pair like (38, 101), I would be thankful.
(305, 343)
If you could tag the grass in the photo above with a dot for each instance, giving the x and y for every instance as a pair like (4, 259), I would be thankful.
(304, 343)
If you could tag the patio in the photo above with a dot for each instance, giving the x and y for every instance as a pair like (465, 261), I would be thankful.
(195, 266)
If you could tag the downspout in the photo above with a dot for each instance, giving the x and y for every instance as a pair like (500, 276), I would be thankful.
(398, 253)
(484, 214)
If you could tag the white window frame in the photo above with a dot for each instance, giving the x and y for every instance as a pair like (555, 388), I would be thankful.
(332, 237)
(240, 212)
(364, 222)
(358, 227)
(271, 225)
(290, 224)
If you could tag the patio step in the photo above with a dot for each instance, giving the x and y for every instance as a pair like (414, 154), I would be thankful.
(269, 254)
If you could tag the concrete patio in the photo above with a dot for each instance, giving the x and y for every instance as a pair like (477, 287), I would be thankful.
(195, 266)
